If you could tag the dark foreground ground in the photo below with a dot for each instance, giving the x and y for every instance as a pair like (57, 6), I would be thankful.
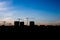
(30, 28)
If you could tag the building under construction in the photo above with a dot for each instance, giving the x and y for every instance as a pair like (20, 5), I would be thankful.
(18, 23)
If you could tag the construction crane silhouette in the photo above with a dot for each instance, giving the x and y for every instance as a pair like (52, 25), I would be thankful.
(28, 20)
(19, 20)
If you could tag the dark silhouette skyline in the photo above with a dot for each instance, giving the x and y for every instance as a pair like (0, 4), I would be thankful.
(20, 27)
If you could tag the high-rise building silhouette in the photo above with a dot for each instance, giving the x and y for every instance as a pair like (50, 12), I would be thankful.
(16, 23)
(21, 23)
(32, 23)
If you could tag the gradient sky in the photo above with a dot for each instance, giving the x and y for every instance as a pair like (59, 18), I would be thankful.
(44, 11)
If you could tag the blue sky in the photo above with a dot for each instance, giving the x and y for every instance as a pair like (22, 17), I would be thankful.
(44, 10)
